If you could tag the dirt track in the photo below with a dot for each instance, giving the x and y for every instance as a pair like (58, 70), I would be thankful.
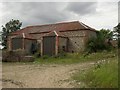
(40, 76)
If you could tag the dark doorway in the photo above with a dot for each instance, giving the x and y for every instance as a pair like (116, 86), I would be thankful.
(17, 43)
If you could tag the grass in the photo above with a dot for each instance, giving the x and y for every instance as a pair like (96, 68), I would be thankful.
(71, 58)
(104, 76)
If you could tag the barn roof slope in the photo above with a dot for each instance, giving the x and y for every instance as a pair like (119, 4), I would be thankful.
(23, 35)
(55, 33)
(65, 26)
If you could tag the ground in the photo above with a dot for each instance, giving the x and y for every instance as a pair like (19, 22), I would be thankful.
(23, 75)
(66, 71)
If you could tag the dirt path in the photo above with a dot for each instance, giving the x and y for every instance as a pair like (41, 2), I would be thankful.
(40, 76)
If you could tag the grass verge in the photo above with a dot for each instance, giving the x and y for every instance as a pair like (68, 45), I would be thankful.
(102, 75)
(71, 58)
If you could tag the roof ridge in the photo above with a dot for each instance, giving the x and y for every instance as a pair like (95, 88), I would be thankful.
(87, 26)
(52, 24)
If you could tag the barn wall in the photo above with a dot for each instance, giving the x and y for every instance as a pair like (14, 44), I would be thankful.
(28, 44)
(76, 44)
(16, 43)
(89, 34)
(75, 40)
(9, 42)
(62, 44)
(38, 36)
(39, 41)
(74, 33)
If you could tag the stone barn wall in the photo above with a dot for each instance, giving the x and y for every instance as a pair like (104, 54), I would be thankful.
(16, 43)
(89, 34)
(62, 47)
(28, 45)
(75, 40)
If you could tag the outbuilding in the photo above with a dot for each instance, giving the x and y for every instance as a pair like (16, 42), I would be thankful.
(52, 39)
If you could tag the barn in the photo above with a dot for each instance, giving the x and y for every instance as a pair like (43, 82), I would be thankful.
(22, 41)
(52, 39)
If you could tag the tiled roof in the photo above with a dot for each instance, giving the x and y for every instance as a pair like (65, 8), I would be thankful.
(23, 35)
(54, 33)
(76, 25)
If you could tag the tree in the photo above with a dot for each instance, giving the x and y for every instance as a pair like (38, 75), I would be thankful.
(99, 42)
(117, 33)
(106, 34)
(11, 26)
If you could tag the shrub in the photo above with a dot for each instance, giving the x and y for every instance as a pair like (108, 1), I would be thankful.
(100, 42)
(37, 54)
(45, 57)
(61, 55)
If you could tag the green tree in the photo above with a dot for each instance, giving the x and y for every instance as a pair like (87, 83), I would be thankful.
(117, 33)
(11, 26)
(106, 34)
(101, 41)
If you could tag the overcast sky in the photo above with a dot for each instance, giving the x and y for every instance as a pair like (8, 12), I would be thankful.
(95, 14)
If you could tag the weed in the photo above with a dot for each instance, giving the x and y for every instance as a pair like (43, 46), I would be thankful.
(104, 74)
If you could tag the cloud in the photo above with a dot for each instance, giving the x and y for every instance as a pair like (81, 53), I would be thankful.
(82, 8)
(119, 11)
(96, 14)
(34, 12)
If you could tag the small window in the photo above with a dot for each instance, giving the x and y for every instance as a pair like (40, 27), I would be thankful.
(63, 48)
(72, 51)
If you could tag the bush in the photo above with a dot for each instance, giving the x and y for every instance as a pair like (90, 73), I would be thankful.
(100, 42)
(61, 55)
(45, 57)
(37, 54)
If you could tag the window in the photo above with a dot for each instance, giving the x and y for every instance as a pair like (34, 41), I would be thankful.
(63, 48)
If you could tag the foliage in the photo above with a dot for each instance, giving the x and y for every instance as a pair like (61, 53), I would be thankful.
(11, 26)
(106, 34)
(117, 33)
(104, 74)
(100, 42)
(72, 58)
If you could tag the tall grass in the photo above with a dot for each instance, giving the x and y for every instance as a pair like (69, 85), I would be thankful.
(104, 76)
(71, 58)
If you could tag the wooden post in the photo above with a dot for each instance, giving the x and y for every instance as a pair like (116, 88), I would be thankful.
(9, 44)
(23, 44)
(56, 45)
(42, 46)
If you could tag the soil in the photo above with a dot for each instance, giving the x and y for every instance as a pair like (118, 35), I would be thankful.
(19, 75)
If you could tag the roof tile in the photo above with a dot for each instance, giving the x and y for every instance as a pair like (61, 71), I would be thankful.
(76, 25)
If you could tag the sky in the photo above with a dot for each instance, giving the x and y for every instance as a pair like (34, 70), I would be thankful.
(98, 15)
